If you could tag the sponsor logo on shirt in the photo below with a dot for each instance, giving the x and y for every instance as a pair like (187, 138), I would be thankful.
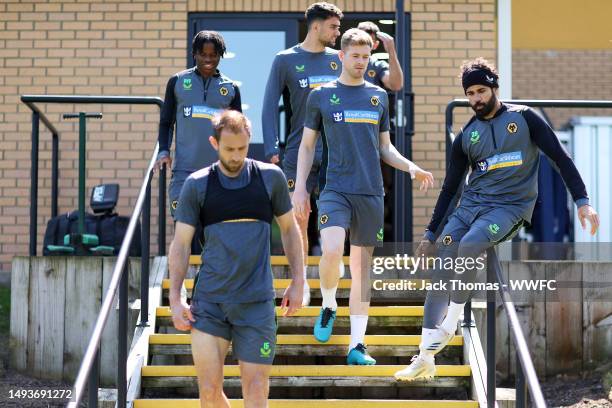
(355, 116)
(512, 127)
(187, 84)
(186, 111)
(303, 83)
(475, 137)
(338, 116)
(500, 161)
(318, 80)
(300, 68)
(202, 111)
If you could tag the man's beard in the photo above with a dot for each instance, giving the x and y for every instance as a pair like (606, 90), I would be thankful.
(486, 109)
(231, 166)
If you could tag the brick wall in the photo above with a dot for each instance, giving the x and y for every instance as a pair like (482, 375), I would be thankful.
(444, 34)
(118, 48)
(85, 48)
(563, 74)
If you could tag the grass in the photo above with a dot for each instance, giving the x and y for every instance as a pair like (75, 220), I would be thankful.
(5, 310)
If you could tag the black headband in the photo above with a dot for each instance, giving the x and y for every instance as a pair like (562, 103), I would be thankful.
(479, 77)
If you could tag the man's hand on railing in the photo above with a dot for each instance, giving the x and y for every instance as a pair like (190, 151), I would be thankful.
(167, 160)
(426, 248)
(586, 212)
(181, 315)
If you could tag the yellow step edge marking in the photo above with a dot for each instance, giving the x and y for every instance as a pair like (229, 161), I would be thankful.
(313, 283)
(276, 403)
(313, 311)
(308, 371)
(275, 260)
(278, 283)
(299, 339)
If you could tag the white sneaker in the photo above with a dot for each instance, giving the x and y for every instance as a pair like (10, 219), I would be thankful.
(341, 269)
(306, 294)
(437, 341)
(420, 367)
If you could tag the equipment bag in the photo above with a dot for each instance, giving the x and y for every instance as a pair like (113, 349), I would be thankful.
(110, 229)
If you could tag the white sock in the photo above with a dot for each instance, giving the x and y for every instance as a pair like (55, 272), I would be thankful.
(426, 335)
(449, 324)
(329, 297)
(359, 323)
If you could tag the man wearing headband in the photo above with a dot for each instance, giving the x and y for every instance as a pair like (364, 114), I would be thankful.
(500, 144)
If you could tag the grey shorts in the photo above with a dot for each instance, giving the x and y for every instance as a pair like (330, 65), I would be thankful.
(174, 190)
(251, 327)
(362, 215)
(472, 225)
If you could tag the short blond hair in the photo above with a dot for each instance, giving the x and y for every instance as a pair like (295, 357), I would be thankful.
(355, 36)
(232, 120)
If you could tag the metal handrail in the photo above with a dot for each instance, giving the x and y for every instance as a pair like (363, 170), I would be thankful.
(118, 273)
(39, 116)
(525, 367)
(91, 360)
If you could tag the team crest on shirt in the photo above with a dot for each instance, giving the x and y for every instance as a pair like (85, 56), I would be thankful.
(375, 101)
(512, 127)
(300, 68)
(338, 116)
(290, 183)
(186, 111)
(174, 204)
(371, 73)
(323, 219)
(187, 84)
(333, 65)
(447, 240)
(223, 91)
(303, 83)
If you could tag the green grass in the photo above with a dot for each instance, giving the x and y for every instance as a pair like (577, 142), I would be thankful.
(5, 310)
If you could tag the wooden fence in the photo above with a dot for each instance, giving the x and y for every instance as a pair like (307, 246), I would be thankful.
(54, 304)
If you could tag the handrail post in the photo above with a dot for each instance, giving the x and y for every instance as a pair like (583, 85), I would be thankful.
(54, 173)
(122, 339)
(467, 314)
(521, 391)
(34, 183)
(94, 381)
(161, 226)
(491, 360)
(144, 259)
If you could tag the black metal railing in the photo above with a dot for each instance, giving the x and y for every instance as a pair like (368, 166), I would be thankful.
(526, 377)
(38, 116)
(89, 369)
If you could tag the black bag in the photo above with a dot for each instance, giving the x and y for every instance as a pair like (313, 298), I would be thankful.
(109, 227)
